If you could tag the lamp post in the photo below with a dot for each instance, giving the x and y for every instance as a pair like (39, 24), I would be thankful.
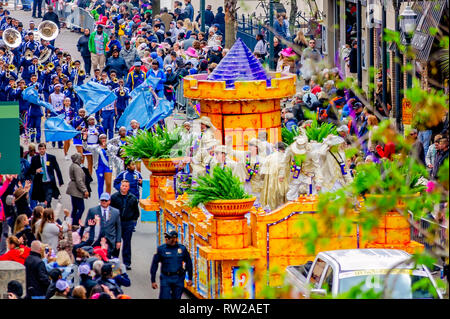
(384, 54)
(270, 34)
(408, 26)
(202, 15)
(398, 62)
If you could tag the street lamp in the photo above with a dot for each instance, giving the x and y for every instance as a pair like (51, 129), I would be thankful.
(408, 26)
(408, 22)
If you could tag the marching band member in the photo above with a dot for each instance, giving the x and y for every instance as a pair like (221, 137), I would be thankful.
(134, 128)
(56, 99)
(31, 44)
(10, 94)
(79, 123)
(68, 66)
(107, 113)
(77, 75)
(123, 97)
(96, 77)
(132, 175)
(93, 131)
(113, 80)
(104, 165)
(35, 112)
(119, 141)
(69, 113)
(75, 100)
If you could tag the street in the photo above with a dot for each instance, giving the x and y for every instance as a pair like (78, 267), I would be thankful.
(144, 239)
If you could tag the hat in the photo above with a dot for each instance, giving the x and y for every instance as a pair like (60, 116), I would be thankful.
(102, 21)
(216, 25)
(357, 105)
(207, 121)
(171, 234)
(168, 67)
(99, 251)
(288, 52)
(105, 196)
(15, 287)
(220, 149)
(306, 88)
(191, 52)
(253, 142)
(84, 269)
(332, 140)
(62, 285)
(55, 273)
(299, 145)
(135, 8)
(88, 249)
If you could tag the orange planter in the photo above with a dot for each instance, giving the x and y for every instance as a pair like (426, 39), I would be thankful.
(162, 167)
(230, 208)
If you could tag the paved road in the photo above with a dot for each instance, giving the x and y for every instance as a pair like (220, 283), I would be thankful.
(144, 239)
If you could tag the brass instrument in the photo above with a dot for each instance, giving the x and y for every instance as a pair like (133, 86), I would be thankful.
(14, 86)
(28, 54)
(81, 73)
(77, 74)
(48, 30)
(41, 68)
(11, 67)
(72, 64)
(50, 66)
(12, 38)
(121, 91)
(64, 62)
(115, 80)
(44, 55)
(61, 75)
(65, 87)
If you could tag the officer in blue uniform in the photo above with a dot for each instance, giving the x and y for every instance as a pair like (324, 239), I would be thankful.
(171, 256)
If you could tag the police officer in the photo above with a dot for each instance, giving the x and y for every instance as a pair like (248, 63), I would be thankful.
(171, 255)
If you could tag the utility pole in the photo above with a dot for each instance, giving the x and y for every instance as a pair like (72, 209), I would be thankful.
(398, 71)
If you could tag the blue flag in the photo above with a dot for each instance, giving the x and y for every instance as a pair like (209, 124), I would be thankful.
(57, 129)
(163, 109)
(31, 95)
(139, 109)
(95, 96)
(150, 81)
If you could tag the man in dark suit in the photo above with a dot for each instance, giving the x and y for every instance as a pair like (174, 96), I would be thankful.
(43, 167)
(110, 227)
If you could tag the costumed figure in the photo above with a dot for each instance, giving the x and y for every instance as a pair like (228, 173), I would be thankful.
(276, 181)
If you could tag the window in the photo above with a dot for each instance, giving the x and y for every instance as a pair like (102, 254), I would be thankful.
(317, 272)
(327, 283)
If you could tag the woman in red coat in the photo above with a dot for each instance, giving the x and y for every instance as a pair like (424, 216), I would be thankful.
(16, 252)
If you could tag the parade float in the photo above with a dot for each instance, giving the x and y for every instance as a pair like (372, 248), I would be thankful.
(222, 234)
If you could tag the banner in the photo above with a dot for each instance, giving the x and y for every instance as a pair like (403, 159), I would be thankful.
(150, 81)
(139, 109)
(31, 95)
(10, 144)
(95, 96)
(57, 129)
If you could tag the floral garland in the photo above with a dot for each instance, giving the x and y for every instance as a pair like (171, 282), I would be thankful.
(295, 169)
(251, 171)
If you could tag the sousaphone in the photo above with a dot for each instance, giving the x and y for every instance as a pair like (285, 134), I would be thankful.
(44, 55)
(12, 38)
(48, 30)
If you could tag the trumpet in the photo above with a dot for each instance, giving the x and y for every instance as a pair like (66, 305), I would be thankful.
(65, 87)
(122, 92)
(11, 67)
(50, 66)
(81, 73)
(62, 75)
(41, 67)
(115, 80)
(14, 86)
(72, 64)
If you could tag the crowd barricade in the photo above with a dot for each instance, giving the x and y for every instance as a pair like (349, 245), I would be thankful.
(427, 226)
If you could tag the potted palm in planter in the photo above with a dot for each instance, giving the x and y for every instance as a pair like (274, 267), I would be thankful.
(222, 194)
(160, 150)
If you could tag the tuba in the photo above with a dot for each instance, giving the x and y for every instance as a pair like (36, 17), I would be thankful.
(48, 30)
(44, 55)
(12, 38)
